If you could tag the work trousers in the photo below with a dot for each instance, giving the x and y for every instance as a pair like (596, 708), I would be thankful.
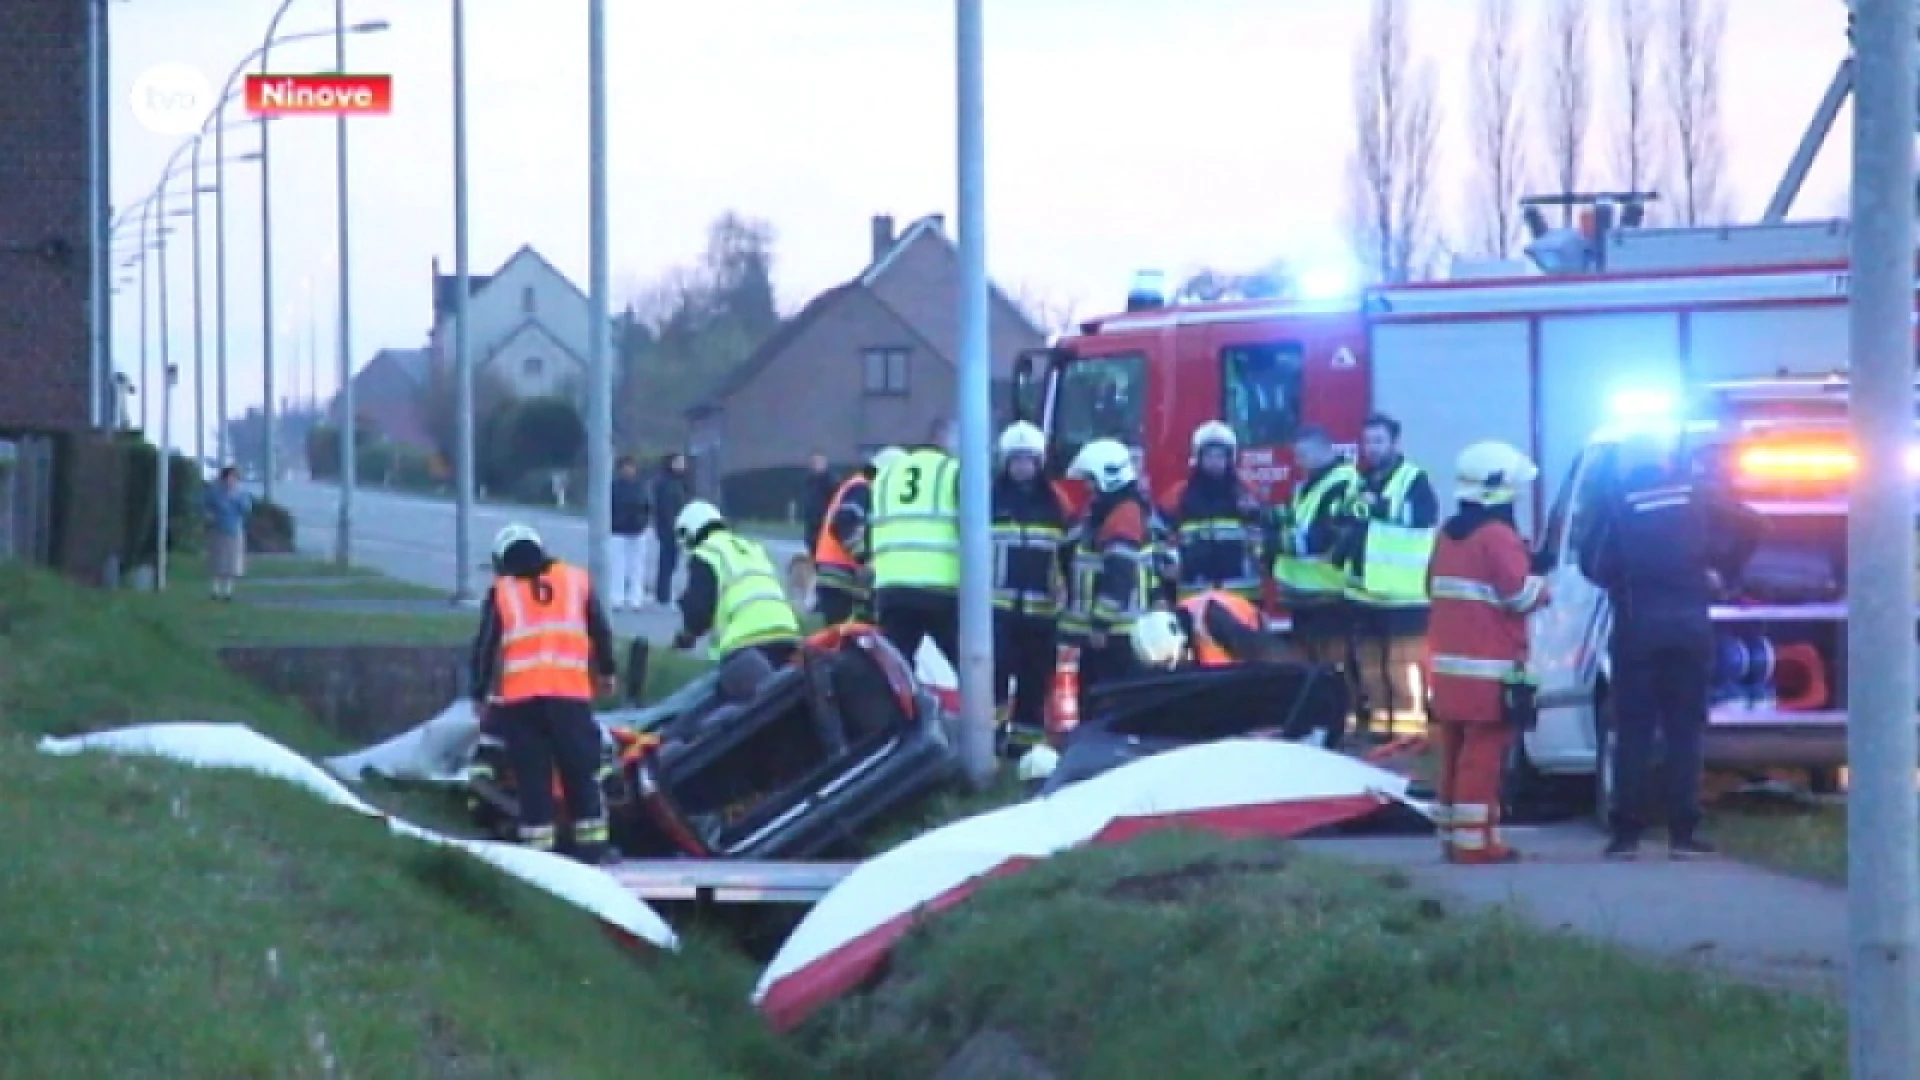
(548, 735)
(1473, 759)
(668, 560)
(1024, 651)
(1658, 690)
(908, 617)
(837, 606)
(1111, 662)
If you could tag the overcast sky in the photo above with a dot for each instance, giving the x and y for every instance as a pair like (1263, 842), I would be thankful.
(1121, 134)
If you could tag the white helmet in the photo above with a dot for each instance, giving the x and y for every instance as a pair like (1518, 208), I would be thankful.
(886, 456)
(515, 533)
(1214, 434)
(694, 517)
(1158, 641)
(1022, 438)
(1106, 464)
(1492, 473)
(1038, 763)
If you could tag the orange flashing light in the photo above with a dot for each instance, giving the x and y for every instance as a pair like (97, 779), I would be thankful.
(1816, 463)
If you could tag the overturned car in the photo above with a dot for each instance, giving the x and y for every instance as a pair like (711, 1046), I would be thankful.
(753, 761)
(1152, 713)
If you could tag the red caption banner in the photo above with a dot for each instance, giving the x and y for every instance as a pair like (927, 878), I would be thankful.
(319, 95)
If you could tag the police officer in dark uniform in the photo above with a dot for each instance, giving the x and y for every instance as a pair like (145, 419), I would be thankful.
(1657, 547)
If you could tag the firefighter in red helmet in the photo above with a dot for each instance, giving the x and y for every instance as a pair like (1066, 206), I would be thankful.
(1482, 587)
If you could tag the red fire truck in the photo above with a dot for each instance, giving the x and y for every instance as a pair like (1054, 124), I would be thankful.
(1534, 359)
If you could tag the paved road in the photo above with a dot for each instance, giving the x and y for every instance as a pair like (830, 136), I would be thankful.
(411, 538)
(1748, 922)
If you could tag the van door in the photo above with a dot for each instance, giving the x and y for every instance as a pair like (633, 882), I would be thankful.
(1569, 636)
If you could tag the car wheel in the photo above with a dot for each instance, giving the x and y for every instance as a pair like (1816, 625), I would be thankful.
(1603, 780)
(1521, 785)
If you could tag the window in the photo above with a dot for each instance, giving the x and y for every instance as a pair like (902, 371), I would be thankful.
(1574, 508)
(528, 303)
(1099, 397)
(885, 373)
(533, 367)
(1260, 388)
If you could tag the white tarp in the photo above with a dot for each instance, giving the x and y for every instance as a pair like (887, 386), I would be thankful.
(1241, 785)
(236, 746)
(435, 752)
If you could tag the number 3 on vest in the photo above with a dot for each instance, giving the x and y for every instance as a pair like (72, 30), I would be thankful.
(912, 494)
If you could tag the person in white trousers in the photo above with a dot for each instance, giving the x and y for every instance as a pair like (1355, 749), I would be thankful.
(632, 513)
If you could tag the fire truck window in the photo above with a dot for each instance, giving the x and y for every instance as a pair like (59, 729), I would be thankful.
(1100, 397)
(1261, 385)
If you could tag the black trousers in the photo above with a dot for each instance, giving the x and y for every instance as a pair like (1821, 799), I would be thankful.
(1658, 689)
(548, 735)
(669, 552)
(911, 616)
(836, 605)
(1108, 663)
(1024, 650)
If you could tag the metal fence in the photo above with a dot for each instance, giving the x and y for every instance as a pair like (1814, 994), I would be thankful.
(26, 499)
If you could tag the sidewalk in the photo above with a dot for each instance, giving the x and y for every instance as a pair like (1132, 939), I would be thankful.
(1752, 924)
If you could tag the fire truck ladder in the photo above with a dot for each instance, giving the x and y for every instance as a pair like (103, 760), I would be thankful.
(1824, 117)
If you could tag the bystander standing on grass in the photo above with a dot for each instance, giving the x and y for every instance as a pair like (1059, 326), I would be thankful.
(226, 509)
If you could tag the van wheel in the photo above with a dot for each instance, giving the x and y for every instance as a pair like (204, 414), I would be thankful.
(1603, 753)
(1522, 787)
(1823, 781)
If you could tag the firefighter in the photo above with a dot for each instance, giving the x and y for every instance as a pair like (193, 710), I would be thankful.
(1215, 519)
(1306, 532)
(733, 593)
(914, 536)
(1029, 525)
(1110, 580)
(1483, 588)
(1393, 514)
(1208, 630)
(840, 591)
(543, 648)
(1656, 546)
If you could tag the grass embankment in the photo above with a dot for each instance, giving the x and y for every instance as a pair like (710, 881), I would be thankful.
(1179, 957)
(178, 922)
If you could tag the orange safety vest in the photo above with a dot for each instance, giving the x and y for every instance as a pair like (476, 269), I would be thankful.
(1206, 651)
(545, 651)
(827, 548)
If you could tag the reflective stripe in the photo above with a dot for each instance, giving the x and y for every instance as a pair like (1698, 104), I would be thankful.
(1472, 667)
(537, 837)
(750, 606)
(914, 532)
(1458, 588)
(1085, 608)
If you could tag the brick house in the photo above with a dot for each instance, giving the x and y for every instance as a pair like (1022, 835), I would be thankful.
(46, 385)
(869, 362)
(386, 394)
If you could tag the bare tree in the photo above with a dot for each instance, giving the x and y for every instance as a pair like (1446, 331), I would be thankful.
(1397, 117)
(1498, 128)
(1693, 31)
(1049, 313)
(1568, 94)
(1638, 144)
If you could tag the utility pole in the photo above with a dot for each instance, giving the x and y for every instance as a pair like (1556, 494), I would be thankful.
(599, 370)
(1883, 832)
(975, 662)
(349, 440)
(462, 340)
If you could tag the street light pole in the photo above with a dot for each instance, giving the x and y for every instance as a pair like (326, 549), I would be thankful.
(98, 291)
(163, 471)
(975, 662)
(220, 293)
(199, 347)
(462, 342)
(600, 375)
(349, 442)
(1883, 834)
(146, 248)
(271, 462)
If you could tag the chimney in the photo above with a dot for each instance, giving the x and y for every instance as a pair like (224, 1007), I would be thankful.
(883, 237)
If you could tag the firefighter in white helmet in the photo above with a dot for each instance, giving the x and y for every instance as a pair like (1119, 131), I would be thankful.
(1029, 527)
(1483, 587)
(734, 597)
(1215, 519)
(842, 586)
(1110, 577)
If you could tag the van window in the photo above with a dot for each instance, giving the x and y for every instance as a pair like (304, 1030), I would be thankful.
(1596, 482)
(1100, 397)
(1260, 385)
